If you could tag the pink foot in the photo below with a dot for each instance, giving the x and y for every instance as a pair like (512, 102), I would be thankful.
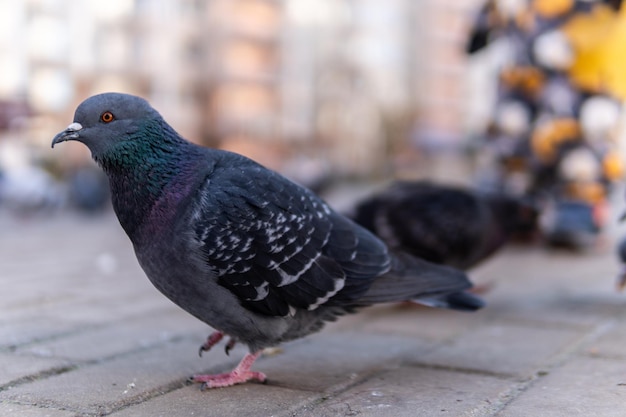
(239, 375)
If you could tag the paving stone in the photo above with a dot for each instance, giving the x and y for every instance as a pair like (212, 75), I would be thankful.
(17, 410)
(248, 400)
(120, 337)
(504, 348)
(126, 349)
(411, 391)
(582, 387)
(553, 287)
(107, 385)
(14, 367)
(579, 307)
(611, 344)
(29, 329)
(327, 361)
(118, 306)
(419, 321)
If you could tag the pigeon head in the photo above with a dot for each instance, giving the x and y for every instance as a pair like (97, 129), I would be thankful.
(112, 121)
(140, 153)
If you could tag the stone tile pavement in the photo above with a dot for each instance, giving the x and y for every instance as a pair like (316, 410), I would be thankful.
(83, 333)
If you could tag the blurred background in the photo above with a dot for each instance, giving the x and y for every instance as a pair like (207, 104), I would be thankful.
(317, 89)
(492, 94)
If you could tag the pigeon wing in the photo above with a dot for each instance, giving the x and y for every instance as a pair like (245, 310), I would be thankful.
(277, 246)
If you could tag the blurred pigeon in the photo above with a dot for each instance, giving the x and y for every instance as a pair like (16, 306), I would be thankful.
(621, 253)
(238, 246)
(482, 28)
(571, 224)
(29, 189)
(444, 224)
(88, 189)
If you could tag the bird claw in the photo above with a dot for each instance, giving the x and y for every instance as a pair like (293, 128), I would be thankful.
(231, 344)
(211, 341)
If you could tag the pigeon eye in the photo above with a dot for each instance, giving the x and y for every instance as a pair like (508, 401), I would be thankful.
(107, 117)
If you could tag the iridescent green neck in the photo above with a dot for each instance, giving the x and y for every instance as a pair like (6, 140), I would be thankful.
(141, 168)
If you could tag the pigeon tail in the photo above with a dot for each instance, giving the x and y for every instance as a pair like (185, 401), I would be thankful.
(460, 301)
(417, 280)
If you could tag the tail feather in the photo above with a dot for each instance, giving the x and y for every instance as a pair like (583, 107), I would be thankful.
(417, 280)
(461, 301)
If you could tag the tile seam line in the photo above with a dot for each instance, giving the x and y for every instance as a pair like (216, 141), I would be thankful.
(558, 360)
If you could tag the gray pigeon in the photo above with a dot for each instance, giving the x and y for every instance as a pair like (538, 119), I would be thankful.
(257, 257)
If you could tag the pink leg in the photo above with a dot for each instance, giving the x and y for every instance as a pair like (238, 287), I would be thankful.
(211, 341)
(239, 375)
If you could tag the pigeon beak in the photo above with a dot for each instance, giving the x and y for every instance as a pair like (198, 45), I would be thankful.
(71, 133)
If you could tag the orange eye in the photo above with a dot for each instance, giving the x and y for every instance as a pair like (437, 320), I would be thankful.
(107, 117)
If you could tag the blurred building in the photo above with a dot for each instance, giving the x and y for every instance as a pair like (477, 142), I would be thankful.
(342, 83)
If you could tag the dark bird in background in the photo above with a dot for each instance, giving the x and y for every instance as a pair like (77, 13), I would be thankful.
(621, 253)
(88, 189)
(485, 23)
(571, 225)
(257, 257)
(445, 224)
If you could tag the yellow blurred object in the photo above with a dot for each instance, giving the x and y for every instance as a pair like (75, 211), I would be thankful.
(613, 166)
(515, 164)
(546, 138)
(530, 80)
(590, 192)
(550, 9)
(598, 39)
